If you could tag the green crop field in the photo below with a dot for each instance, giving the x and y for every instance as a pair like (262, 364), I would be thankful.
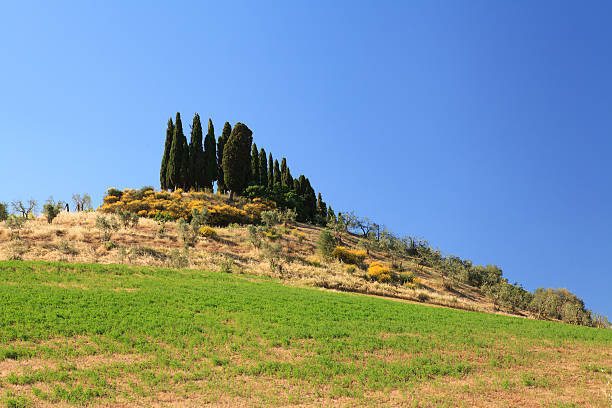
(80, 334)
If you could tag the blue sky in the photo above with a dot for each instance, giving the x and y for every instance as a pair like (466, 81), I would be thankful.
(481, 126)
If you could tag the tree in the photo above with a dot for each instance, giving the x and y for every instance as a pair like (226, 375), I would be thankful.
(254, 165)
(286, 178)
(277, 173)
(164, 163)
(196, 155)
(210, 153)
(237, 159)
(270, 171)
(321, 211)
(263, 169)
(283, 170)
(186, 164)
(227, 130)
(82, 203)
(26, 209)
(3, 212)
(176, 172)
(52, 209)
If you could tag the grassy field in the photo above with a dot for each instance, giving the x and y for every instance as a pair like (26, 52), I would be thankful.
(111, 335)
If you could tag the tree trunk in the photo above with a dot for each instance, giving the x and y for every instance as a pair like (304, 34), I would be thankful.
(231, 196)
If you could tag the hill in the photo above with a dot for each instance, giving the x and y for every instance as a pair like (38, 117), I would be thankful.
(284, 251)
(116, 335)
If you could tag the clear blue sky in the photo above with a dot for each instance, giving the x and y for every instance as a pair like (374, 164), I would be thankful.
(484, 127)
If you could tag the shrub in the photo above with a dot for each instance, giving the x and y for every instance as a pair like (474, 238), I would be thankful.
(127, 218)
(199, 218)
(226, 265)
(298, 234)
(52, 210)
(254, 236)
(326, 244)
(207, 232)
(224, 215)
(350, 268)
(106, 226)
(271, 218)
(67, 248)
(379, 272)
(3, 212)
(179, 259)
(185, 234)
(422, 297)
(349, 256)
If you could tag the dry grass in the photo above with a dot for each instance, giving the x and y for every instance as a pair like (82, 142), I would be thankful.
(73, 237)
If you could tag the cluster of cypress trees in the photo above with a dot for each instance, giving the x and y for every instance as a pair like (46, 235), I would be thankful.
(237, 166)
(192, 166)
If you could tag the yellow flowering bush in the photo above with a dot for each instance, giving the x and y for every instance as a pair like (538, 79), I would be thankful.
(349, 256)
(179, 204)
(224, 215)
(379, 272)
(207, 232)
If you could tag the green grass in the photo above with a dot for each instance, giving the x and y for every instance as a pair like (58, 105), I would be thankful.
(203, 333)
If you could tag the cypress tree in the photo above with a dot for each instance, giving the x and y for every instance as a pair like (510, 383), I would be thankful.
(254, 165)
(321, 210)
(283, 170)
(310, 201)
(210, 160)
(296, 185)
(270, 171)
(176, 169)
(164, 164)
(227, 130)
(277, 173)
(263, 169)
(185, 163)
(236, 159)
(196, 154)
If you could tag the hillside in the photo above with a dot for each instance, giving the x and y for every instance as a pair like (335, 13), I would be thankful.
(290, 255)
(113, 335)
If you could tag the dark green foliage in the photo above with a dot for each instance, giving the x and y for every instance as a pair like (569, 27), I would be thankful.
(196, 155)
(165, 158)
(270, 171)
(326, 243)
(227, 131)
(277, 173)
(254, 165)
(210, 159)
(52, 209)
(3, 211)
(283, 171)
(237, 158)
(559, 304)
(321, 216)
(177, 170)
(263, 168)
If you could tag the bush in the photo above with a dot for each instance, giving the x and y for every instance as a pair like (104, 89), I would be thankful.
(379, 272)
(349, 256)
(106, 226)
(271, 218)
(207, 232)
(185, 234)
(179, 259)
(3, 212)
(127, 218)
(350, 269)
(326, 244)
(199, 218)
(224, 215)
(254, 236)
(52, 210)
